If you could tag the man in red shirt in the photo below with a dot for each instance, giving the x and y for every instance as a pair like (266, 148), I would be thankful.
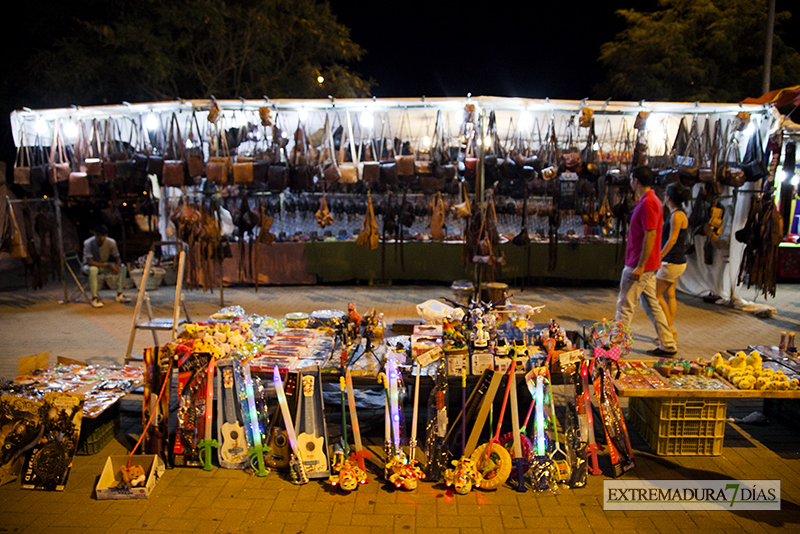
(642, 260)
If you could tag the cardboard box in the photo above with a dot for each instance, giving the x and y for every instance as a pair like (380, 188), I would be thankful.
(481, 361)
(108, 487)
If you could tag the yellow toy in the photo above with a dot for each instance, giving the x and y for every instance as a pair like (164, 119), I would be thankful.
(754, 360)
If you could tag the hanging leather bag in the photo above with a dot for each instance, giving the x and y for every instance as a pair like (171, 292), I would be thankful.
(195, 159)
(175, 173)
(59, 164)
(730, 171)
(22, 163)
(753, 163)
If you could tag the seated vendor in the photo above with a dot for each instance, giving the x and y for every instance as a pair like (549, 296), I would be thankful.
(101, 256)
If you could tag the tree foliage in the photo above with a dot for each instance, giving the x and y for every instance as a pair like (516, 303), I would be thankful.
(137, 50)
(689, 50)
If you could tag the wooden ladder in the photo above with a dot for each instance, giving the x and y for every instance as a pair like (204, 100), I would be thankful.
(154, 324)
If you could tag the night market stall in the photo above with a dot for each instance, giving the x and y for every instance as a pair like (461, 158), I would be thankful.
(358, 187)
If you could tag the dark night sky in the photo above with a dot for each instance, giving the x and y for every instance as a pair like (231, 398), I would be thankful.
(526, 49)
(514, 49)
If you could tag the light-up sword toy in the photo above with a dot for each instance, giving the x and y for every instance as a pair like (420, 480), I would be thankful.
(258, 449)
(296, 462)
(208, 443)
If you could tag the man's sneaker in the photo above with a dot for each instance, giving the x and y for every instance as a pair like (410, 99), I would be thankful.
(122, 298)
(96, 303)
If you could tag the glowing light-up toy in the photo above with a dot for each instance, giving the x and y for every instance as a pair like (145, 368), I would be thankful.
(208, 443)
(250, 416)
(296, 462)
(399, 469)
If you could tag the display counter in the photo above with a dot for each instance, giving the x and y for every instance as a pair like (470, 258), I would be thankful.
(343, 261)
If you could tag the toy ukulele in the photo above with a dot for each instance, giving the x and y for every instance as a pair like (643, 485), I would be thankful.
(233, 447)
(296, 459)
(280, 451)
(312, 440)
(208, 443)
(247, 401)
(492, 459)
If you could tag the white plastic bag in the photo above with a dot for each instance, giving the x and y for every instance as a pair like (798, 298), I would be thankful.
(433, 311)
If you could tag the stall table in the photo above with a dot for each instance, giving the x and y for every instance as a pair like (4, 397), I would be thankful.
(683, 421)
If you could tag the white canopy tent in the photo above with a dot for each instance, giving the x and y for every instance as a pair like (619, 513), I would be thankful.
(412, 119)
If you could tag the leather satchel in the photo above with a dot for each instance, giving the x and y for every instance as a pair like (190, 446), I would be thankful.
(277, 177)
(79, 184)
(388, 172)
(59, 164)
(730, 171)
(174, 172)
(243, 170)
(372, 171)
(195, 159)
(217, 170)
(22, 169)
(405, 166)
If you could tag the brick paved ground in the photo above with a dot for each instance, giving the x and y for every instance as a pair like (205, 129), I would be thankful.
(222, 501)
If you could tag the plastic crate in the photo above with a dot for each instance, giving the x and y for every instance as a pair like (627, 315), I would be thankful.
(99, 438)
(97, 432)
(680, 437)
(683, 409)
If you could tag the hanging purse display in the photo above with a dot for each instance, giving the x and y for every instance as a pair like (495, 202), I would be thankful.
(93, 161)
(730, 172)
(219, 167)
(301, 175)
(22, 163)
(371, 168)
(195, 158)
(59, 164)
(404, 155)
(708, 152)
(753, 163)
(261, 162)
(571, 157)
(38, 174)
(155, 158)
(350, 170)
(78, 178)
(243, 170)
(328, 156)
(688, 170)
(433, 176)
(278, 172)
(388, 166)
(174, 172)
(108, 149)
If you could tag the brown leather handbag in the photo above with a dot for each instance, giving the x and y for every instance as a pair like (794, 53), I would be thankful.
(174, 172)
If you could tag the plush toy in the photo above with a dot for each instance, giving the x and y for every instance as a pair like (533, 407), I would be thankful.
(132, 476)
